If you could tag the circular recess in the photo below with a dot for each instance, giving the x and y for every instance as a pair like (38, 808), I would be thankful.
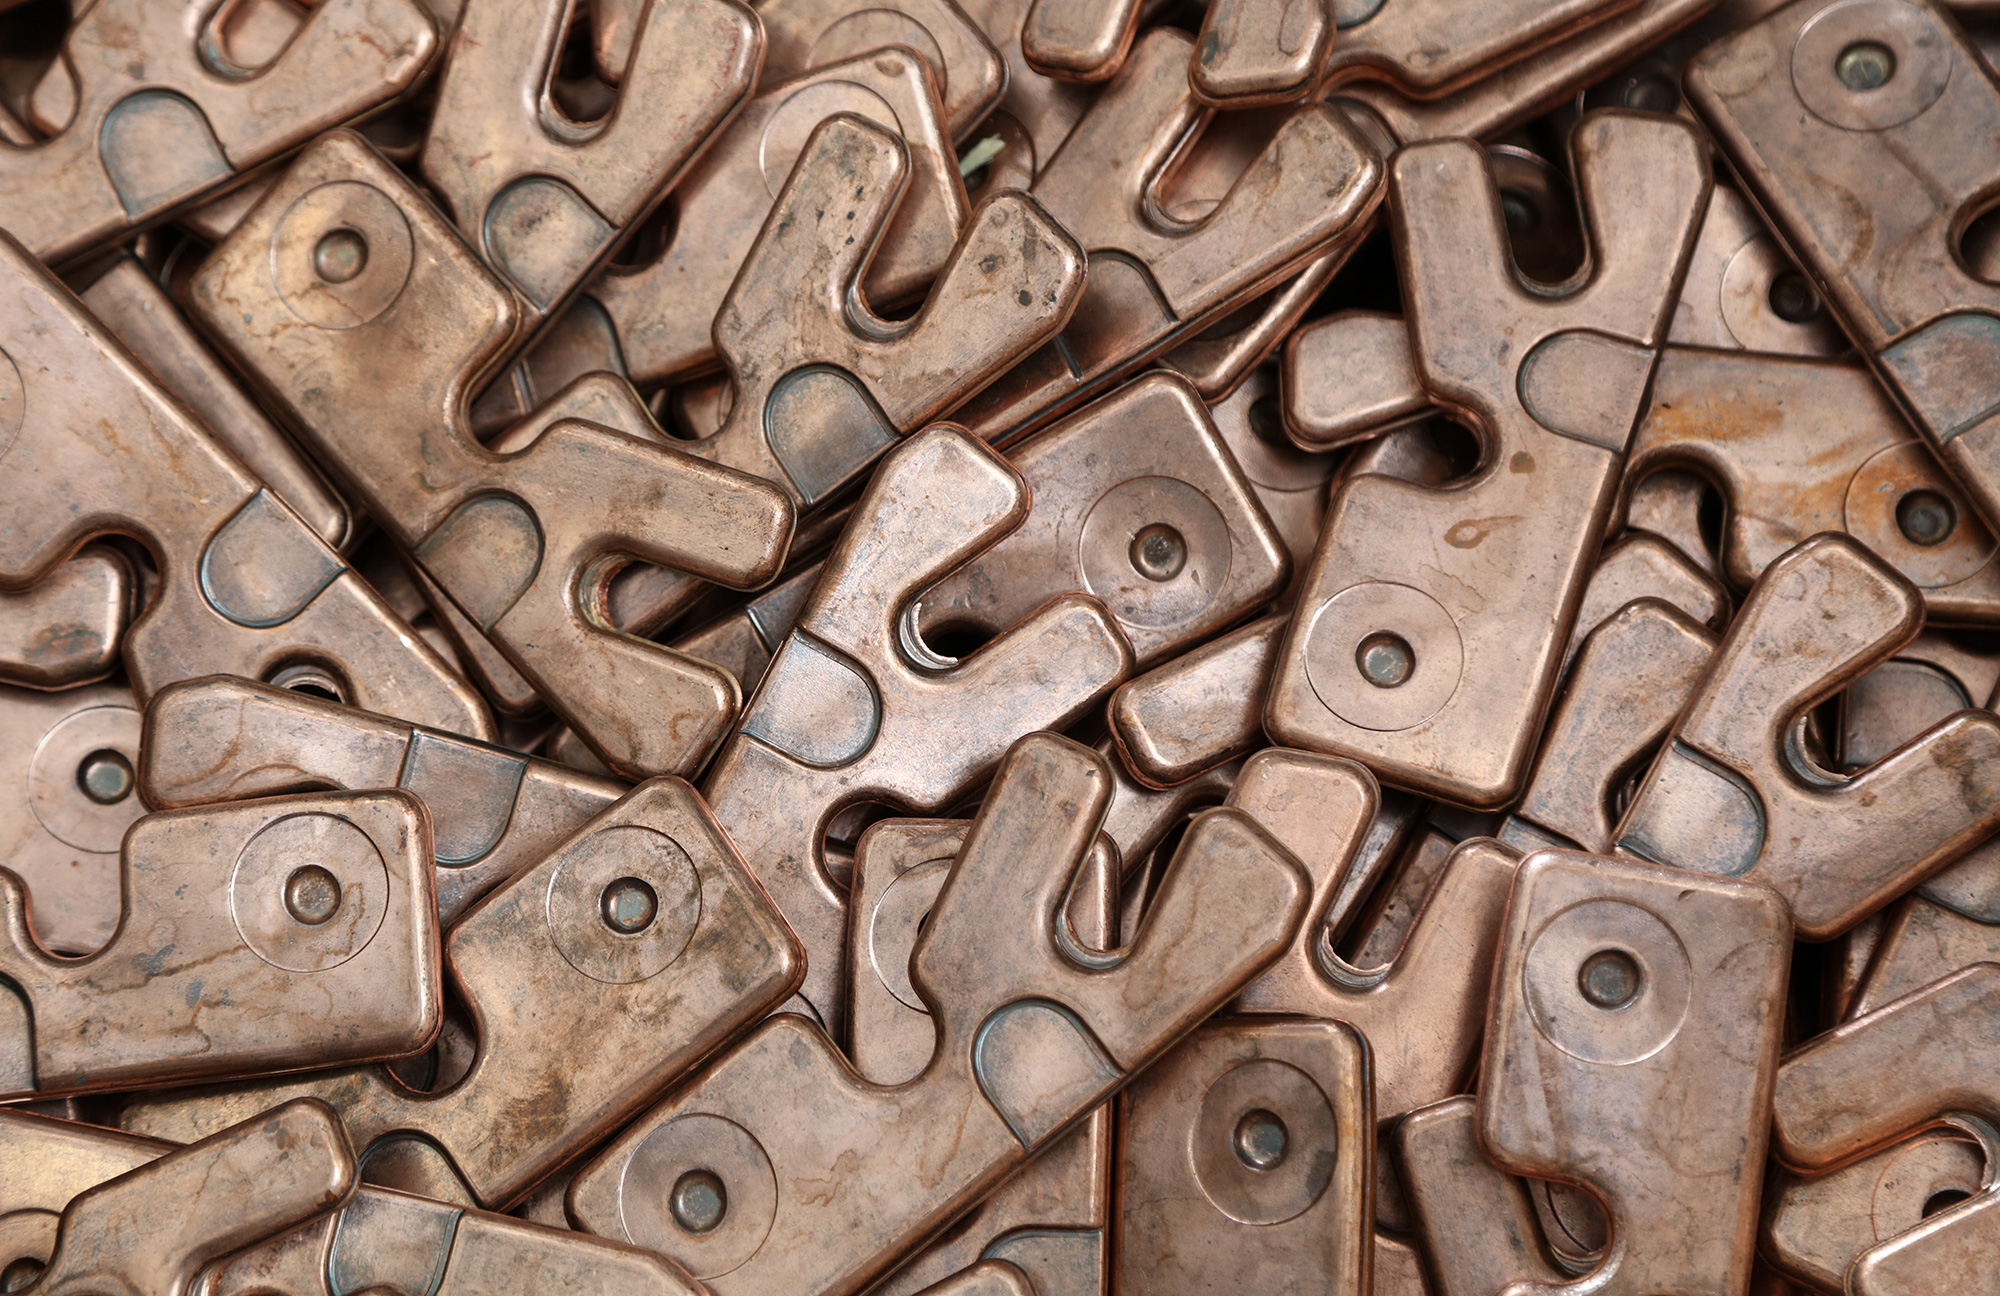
(1156, 550)
(1383, 656)
(1868, 65)
(1607, 982)
(341, 254)
(1904, 507)
(328, 868)
(75, 757)
(675, 1170)
(1264, 1142)
(603, 889)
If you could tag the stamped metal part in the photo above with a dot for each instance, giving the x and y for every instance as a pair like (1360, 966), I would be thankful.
(1623, 991)
(1037, 110)
(643, 934)
(65, 630)
(1348, 377)
(1628, 684)
(1219, 358)
(1734, 792)
(274, 935)
(1200, 709)
(1292, 484)
(140, 314)
(1246, 1163)
(69, 770)
(1255, 52)
(1839, 118)
(245, 585)
(1475, 1223)
(523, 544)
(1814, 1226)
(1137, 500)
(1531, 85)
(1033, 1031)
(1079, 40)
(1156, 276)
(1800, 446)
(1427, 48)
(156, 122)
(1421, 1014)
(1742, 293)
(1937, 1044)
(854, 708)
(1926, 939)
(1050, 1218)
(970, 73)
(153, 1227)
(493, 812)
(1638, 565)
(1439, 672)
(662, 310)
(544, 199)
(384, 1240)
(822, 385)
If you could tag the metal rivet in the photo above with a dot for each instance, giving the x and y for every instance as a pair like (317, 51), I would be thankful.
(629, 906)
(312, 894)
(1793, 298)
(699, 1201)
(1925, 517)
(1260, 1140)
(1386, 660)
(340, 256)
(1609, 979)
(105, 776)
(1865, 65)
(1159, 552)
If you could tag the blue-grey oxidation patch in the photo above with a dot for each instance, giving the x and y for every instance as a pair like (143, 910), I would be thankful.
(265, 566)
(824, 428)
(1694, 814)
(815, 706)
(157, 148)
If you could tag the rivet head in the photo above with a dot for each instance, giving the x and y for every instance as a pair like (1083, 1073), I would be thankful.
(1159, 552)
(1260, 1140)
(629, 905)
(312, 895)
(340, 255)
(698, 1201)
(1865, 65)
(1385, 659)
(105, 776)
(1609, 979)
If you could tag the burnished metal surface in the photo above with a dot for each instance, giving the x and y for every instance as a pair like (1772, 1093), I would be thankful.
(64, 630)
(519, 543)
(1631, 988)
(493, 813)
(156, 116)
(1050, 1218)
(386, 1239)
(1157, 276)
(153, 1223)
(1032, 1033)
(1445, 696)
(856, 708)
(245, 585)
(643, 934)
(1735, 792)
(1429, 733)
(543, 200)
(274, 935)
(1846, 160)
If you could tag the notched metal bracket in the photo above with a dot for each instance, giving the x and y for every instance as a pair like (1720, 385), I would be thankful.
(523, 543)
(643, 934)
(789, 1128)
(847, 712)
(276, 935)
(1735, 794)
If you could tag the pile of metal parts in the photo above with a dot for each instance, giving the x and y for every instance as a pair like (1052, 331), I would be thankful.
(1004, 648)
